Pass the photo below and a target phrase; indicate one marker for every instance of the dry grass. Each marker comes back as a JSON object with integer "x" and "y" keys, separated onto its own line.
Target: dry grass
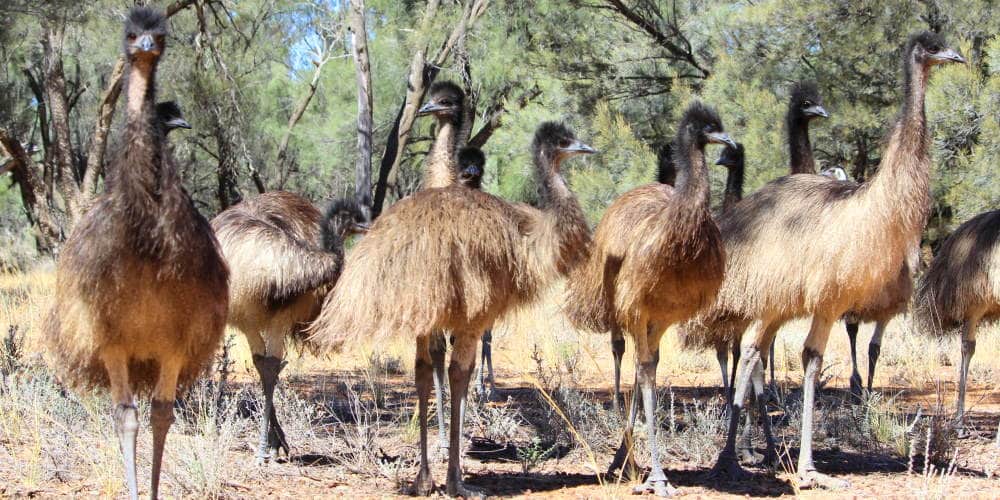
{"x": 353, "y": 413}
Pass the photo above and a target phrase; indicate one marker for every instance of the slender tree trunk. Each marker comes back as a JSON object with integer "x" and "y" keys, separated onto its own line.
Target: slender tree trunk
{"x": 297, "y": 113}
{"x": 363, "y": 166}
{"x": 36, "y": 205}
{"x": 55, "y": 91}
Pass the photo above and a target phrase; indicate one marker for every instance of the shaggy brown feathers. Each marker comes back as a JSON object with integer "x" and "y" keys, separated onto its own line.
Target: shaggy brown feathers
{"x": 141, "y": 272}
{"x": 963, "y": 281}
{"x": 657, "y": 252}
{"x": 454, "y": 259}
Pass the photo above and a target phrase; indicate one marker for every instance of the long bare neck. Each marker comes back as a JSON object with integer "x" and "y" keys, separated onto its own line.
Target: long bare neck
{"x": 139, "y": 165}
{"x": 692, "y": 173}
{"x": 569, "y": 235}
{"x": 900, "y": 189}
{"x": 441, "y": 167}
{"x": 799, "y": 148}
{"x": 734, "y": 187}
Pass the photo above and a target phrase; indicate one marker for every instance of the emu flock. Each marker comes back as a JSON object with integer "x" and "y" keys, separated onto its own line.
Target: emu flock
{"x": 146, "y": 285}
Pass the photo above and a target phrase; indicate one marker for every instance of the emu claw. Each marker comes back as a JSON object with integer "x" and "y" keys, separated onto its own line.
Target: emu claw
{"x": 812, "y": 479}
{"x": 750, "y": 457}
{"x": 660, "y": 488}
{"x": 727, "y": 467}
{"x": 461, "y": 490}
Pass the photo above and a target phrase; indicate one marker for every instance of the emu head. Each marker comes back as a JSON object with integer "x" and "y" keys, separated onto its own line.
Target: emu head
{"x": 928, "y": 48}
{"x": 731, "y": 156}
{"x": 471, "y": 163}
{"x": 704, "y": 125}
{"x": 145, "y": 34}
{"x": 343, "y": 218}
{"x": 168, "y": 115}
{"x": 837, "y": 173}
{"x": 555, "y": 142}
{"x": 805, "y": 102}
{"x": 445, "y": 102}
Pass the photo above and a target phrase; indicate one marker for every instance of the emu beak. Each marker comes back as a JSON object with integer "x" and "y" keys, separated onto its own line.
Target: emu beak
{"x": 721, "y": 138}
{"x": 144, "y": 43}
{"x": 816, "y": 111}
{"x": 178, "y": 123}
{"x": 946, "y": 56}
{"x": 723, "y": 161}
{"x": 578, "y": 148}
{"x": 360, "y": 227}
{"x": 429, "y": 108}
{"x": 472, "y": 171}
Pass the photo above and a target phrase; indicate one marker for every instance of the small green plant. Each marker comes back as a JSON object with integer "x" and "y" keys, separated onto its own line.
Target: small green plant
{"x": 534, "y": 454}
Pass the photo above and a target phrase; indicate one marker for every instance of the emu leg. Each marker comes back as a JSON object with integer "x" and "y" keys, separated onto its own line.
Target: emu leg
{"x": 968, "y": 349}
{"x": 272, "y": 437}
{"x": 161, "y": 418}
{"x": 769, "y": 363}
{"x": 727, "y": 463}
{"x": 624, "y": 459}
{"x": 617, "y": 352}
{"x": 657, "y": 481}
{"x": 423, "y": 370}
{"x": 162, "y": 414}
{"x": 745, "y": 450}
{"x": 735, "y": 347}
{"x": 874, "y": 348}
{"x": 771, "y": 452}
{"x": 463, "y": 361}
{"x": 812, "y": 361}
{"x": 125, "y": 416}
{"x": 438, "y": 349}
{"x": 852, "y": 337}
{"x": 486, "y": 371}
{"x": 722, "y": 355}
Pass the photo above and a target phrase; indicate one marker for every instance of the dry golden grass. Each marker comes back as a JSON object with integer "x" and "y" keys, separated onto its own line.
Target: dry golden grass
{"x": 353, "y": 406}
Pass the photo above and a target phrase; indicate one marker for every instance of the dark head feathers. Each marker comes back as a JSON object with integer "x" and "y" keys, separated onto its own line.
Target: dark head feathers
{"x": 701, "y": 115}
{"x": 551, "y": 134}
{"x": 730, "y": 156}
{"x": 447, "y": 88}
{"x": 929, "y": 40}
{"x": 805, "y": 91}
{"x": 145, "y": 19}
{"x": 471, "y": 155}
{"x": 167, "y": 110}
{"x": 339, "y": 220}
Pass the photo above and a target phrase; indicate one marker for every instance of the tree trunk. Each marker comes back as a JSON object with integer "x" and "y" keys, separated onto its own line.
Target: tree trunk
{"x": 363, "y": 166}
{"x": 55, "y": 90}
{"x": 36, "y": 205}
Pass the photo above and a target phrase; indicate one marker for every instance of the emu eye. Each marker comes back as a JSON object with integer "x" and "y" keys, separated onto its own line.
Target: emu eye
{"x": 131, "y": 37}
{"x": 159, "y": 39}
{"x": 934, "y": 49}
{"x": 564, "y": 143}
{"x": 807, "y": 103}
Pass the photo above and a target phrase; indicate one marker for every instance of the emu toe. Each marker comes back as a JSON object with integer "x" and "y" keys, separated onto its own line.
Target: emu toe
{"x": 460, "y": 489}
{"x": 750, "y": 457}
{"x": 813, "y": 479}
{"x": 660, "y": 488}
{"x": 423, "y": 485}
{"x": 856, "y": 387}
{"x": 728, "y": 468}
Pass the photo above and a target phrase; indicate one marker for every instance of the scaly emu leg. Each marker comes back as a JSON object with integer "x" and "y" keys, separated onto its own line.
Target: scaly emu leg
{"x": 874, "y": 348}
{"x": 438, "y": 350}
{"x": 617, "y": 352}
{"x": 647, "y": 354}
{"x": 463, "y": 361}
{"x": 124, "y": 414}
{"x": 272, "y": 437}
{"x": 968, "y": 349}
{"x": 812, "y": 362}
{"x": 162, "y": 414}
{"x": 624, "y": 459}
{"x": 423, "y": 369}
{"x": 722, "y": 355}
{"x": 852, "y": 337}
{"x": 486, "y": 372}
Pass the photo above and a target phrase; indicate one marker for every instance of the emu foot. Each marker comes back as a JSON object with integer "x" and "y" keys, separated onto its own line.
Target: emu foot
{"x": 276, "y": 442}
{"x": 856, "y": 389}
{"x": 441, "y": 454}
{"x": 460, "y": 489}
{"x": 727, "y": 467}
{"x": 812, "y": 479}
{"x": 624, "y": 462}
{"x": 749, "y": 456}
{"x": 423, "y": 485}
{"x": 660, "y": 488}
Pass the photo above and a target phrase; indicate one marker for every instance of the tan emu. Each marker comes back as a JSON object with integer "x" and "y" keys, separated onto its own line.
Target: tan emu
{"x": 454, "y": 259}
{"x": 141, "y": 288}
{"x": 789, "y": 256}
{"x": 284, "y": 256}
{"x": 657, "y": 260}
{"x": 961, "y": 289}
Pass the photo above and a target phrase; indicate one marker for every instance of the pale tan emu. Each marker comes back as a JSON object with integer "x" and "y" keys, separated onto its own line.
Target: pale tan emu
{"x": 657, "y": 260}
{"x": 789, "y": 256}
{"x": 284, "y": 256}
{"x": 141, "y": 288}
{"x": 454, "y": 259}
{"x": 961, "y": 289}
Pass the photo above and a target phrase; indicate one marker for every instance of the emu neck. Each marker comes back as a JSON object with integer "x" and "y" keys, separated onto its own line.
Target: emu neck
{"x": 799, "y": 148}
{"x": 565, "y": 240}
{"x": 333, "y": 240}
{"x": 141, "y": 88}
{"x": 441, "y": 166}
{"x": 734, "y": 187}
{"x": 692, "y": 173}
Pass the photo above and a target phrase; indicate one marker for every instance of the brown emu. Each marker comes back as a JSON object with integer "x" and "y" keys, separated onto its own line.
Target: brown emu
{"x": 284, "y": 256}
{"x": 819, "y": 269}
{"x": 657, "y": 260}
{"x": 141, "y": 288}
{"x": 961, "y": 289}
{"x": 454, "y": 259}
